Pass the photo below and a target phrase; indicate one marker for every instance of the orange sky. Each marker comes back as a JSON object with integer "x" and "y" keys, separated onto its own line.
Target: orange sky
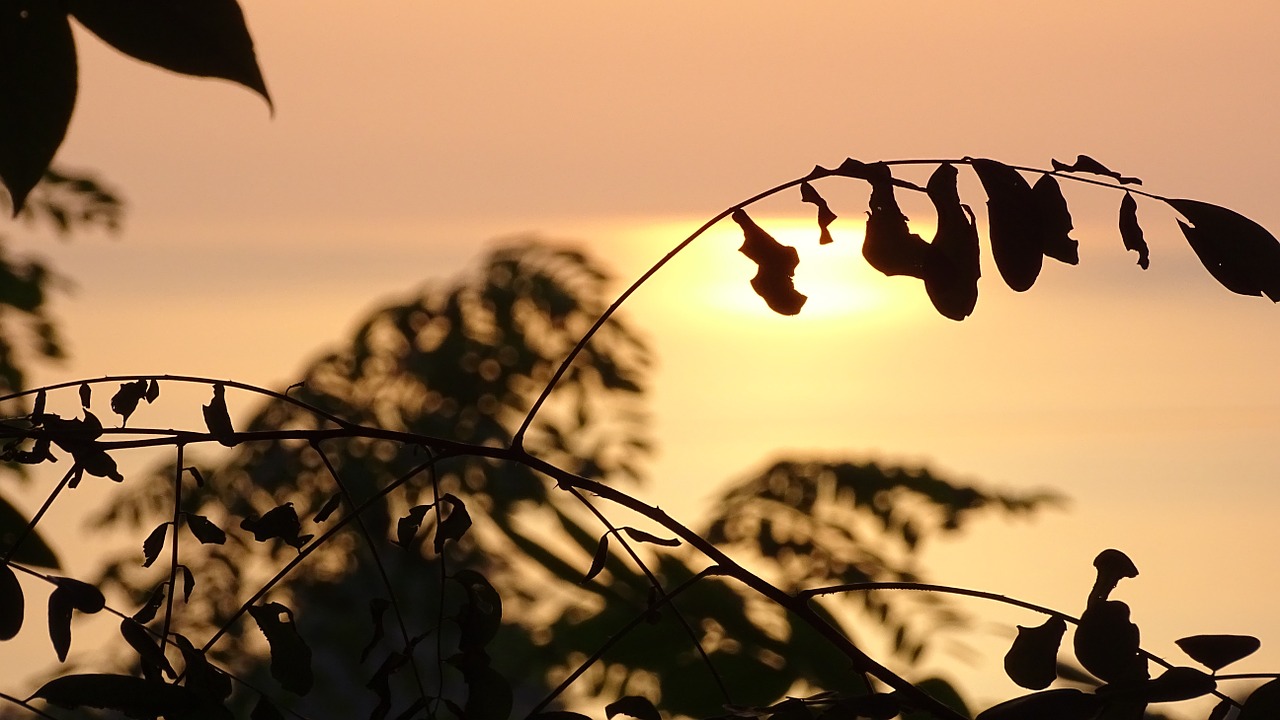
{"x": 407, "y": 134}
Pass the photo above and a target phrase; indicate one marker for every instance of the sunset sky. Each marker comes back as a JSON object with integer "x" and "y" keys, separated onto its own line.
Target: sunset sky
{"x": 408, "y": 136}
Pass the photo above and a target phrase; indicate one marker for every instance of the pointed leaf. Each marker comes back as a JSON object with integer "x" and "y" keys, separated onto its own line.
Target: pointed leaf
{"x": 195, "y": 475}
{"x": 1218, "y": 651}
{"x": 644, "y": 537}
{"x": 154, "y": 543}
{"x": 776, "y": 266}
{"x": 1131, "y": 231}
{"x": 37, "y": 92}
{"x": 481, "y": 616}
{"x": 148, "y": 611}
{"x": 94, "y": 460}
{"x": 1059, "y": 704}
{"x": 70, "y": 594}
{"x": 330, "y": 505}
{"x": 1107, "y": 643}
{"x": 217, "y": 418}
{"x": 407, "y": 527}
{"x": 290, "y": 656}
{"x": 1032, "y": 661}
{"x": 204, "y": 530}
{"x": 1055, "y": 219}
{"x": 598, "y": 560}
{"x": 952, "y": 269}
{"x": 889, "y": 245}
{"x": 825, "y": 216}
{"x": 202, "y": 678}
{"x": 1086, "y": 164}
{"x": 153, "y": 391}
{"x": 454, "y": 525}
{"x": 377, "y": 609}
{"x": 148, "y": 651}
{"x": 126, "y": 399}
{"x": 1238, "y": 252}
{"x": 33, "y": 549}
{"x": 634, "y": 706}
{"x": 130, "y": 695}
{"x": 1017, "y": 234}
{"x": 188, "y": 582}
{"x": 12, "y": 603}
{"x": 280, "y": 522}
{"x": 37, "y": 408}
{"x": 205, "y": 38}
{"x": 86, "y": 394}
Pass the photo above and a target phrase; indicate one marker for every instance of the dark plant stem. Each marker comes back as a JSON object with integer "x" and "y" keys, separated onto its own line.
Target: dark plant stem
{"x": 35, "y": 519}
{"x": 173, "y": 552}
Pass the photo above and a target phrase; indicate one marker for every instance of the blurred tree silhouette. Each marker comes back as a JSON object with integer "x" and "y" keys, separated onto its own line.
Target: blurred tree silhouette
{"x": 464, "y": 362}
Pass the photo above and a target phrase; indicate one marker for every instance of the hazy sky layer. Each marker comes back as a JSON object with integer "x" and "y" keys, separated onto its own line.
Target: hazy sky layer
{"x": 407, "y": 135}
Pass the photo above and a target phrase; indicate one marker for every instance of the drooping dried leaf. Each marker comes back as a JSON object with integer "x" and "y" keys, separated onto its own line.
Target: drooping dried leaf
{"x": 867, "y": 171}
{"x": 217, "y": 418}
{"x": 597, "y": 560}
{"x": 1086, "y": 164}
{"x": 377, "y": 609}
{"x": 279, "y": 523}
{"x": 195, "y": 475}
{"x": 644, "y": 537}
{"x": 1059, "y": 704}
{"x": 126, "y": 399}
{"x": 633, "y": 706}
{"x": 481, "y": 615}
{"x": 130, "y": 695}
{"x": 154, "y": 543}
{"x": 12, "y": 603}
{"x": 407, "y": 527}
{"x": 37, "y": 408}
{"x": 1238, "y": 252}
{"x": 1107, "y": 643}
{"x": 153, "y": 391}
{"x": 1032, "y": 660}
{"x": 1263, "y": 703}
{"x": 37, "y": 92}
{"x": 152, "y": 658}
{"x": 889, "y": 246}
{"x": 1017, "y": 234}
{"x": 86, "y": 394}
{"x": 1131, "y": 231}
{"x": 454, "y": 525}
{"x": 1055, "y": 219}
{"x": 825, "y": 215}
{"x": 204, "y": 530}
{"x": 148, "y": 611}
{"x": 1218, "y": 651}
{"x": 205, "y": 38}
{"x": 952, "y": 270}
{"x": 330, "y": 505}
{"x": 776, "y": 263}
{"x": 290, "y": 655}
{"x": 188, "y": 582}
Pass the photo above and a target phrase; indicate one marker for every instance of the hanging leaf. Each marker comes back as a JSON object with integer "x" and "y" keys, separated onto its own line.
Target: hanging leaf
{"x": 205, "y": 38}
{"x": 152, "y": 657}
{"x": 330, "y": 505}
{"x": 644, "y": 537}
{"x": 126, "y": 399}
{"x": 634, "y": 706}
{"x": 889, "y": 246}
{"x": 188, "y": 582}
{"x": 1106, "y": 643}
{"x": 154, "y": 543}
{"x": 12, "y": 603}
{"x": 776, "y": 266}
{"x": 1086, "y": 164}
{"x": 1218, "y": 651}
{"x": 1059, "y": 704}
{"x": 91, "y": 458}
{"x": 217, "y": 419}
{"x": 1177, "y": 684}
{"x": 86, "y": 394}
{"x": 597, "y": 560}
{"x": 37, "y": 92}
{"x": 825, "y": 216}
{"x": 1131, "y": 231}
{"x": 70, "y": 594}
{"x": 952, "y": 269}
{"x": 279, "y": 523}
{"x": 865, "y": 171}
{"x": 407, "y": 527}
{"x": 130, "y": 695}
{"x": 203, "y": 679}
{"x": 204, "y": 530}
{"x": 454, "y": 525}
{"x": 1055, "y": 219}
{"x": 1032, "y": 660}
{"x": 481, "y": 616}
{"x": 1013, "y": 213}
{"x": 195, "y": 475}
{"x": 148, "y": 611}
{"x": 33, "y": 549}
{"x": 1263, "y": 703}
{"x": 1238, "y": 252}
{"x": 153, "y": 391}
{"x": 377, "y": 609}
{"x": 290, "y": 656}
{"x": 37, "y": 408}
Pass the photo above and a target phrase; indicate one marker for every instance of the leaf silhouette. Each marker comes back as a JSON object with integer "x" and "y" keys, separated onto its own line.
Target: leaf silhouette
{"x": 481, "y": 616}
{"x": 148, "y": 611}
{"x": 1218, "y": 651}
{"x": 188, "y": 582}
{"x": 634, "y": 706}
{"x": 153, "y": 659}
{"x": 1017, "y": 234}
{"x": 1263, "y": 703}
{"x": 154, "y": 543}
{"x": 330, "y": 505}
{"x": 1107, "y": 643}
{"x": 203, "y": 679}
{"x": 70, "y": 594}
{"x": 774, "y": 280}
{"x": 407, "y": 527}
{"x": 37, "y": 92}
{"x": 1055, "y": 221}
{"x": 205, "y": 38}
{"x": 12, "y": 603}
{"x": 153, "y": 391}
{"x": 1238, "y": 252}
{"x": 195, "y": 475}
{"x": 280, "y": 523}
{"x": 1177, "y": 684}
{"x": 1032, "y": 660}
{"x": 1086, "y": 164}
{"x": 216, "y": 417}
{"x": 132, "y": 696}
{"x": 454, "y": 525}
{"x": 86, "y": 394}
{"x": 204, "y": 530}
{"x": 377, "y": 609}
{"x": 126, "y": 399}
{"x": 952, "y": 269}
{"x": 597, "y": 560}
{"x": 33, "y": 549}
{"x": 37, "y": 408}
{"x": 1131, "y": 231}
{"x": 644, "y": 537}
{"x": 889, "y": 246}
{"x": 825, "y": 216}
{"x": 94, "y": 460}
{"x": 1059, "y": 704}
{"x": 488, "y": 693}
{"x": 290, "y": 656}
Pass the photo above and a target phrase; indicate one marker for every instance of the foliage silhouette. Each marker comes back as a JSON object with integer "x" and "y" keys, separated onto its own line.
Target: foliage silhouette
{"x": 457, "y": 414}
